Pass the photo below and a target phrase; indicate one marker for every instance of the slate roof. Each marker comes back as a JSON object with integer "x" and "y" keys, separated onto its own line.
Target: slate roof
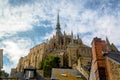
{"x": 66, "y": 74}
{"x": 113, "y": 55}
{"x": 20, "y": 75}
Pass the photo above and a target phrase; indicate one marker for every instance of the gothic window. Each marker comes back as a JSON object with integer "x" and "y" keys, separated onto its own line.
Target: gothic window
{"x": 37, "y": 51}
{"x": 62, "y": 42}
{"x": 102, "y": 73}
{"x": 54, "y": 44}
{"x": 89, "y": 63}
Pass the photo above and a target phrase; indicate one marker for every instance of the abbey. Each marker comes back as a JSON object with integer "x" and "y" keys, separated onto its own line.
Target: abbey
{"x": 77, "y": 60}
{"x": 71, "y": 51}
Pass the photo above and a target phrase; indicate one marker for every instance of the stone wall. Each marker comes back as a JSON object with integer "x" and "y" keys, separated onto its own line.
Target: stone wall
{"x": 1, "y": 59}
{"x": 72, "y": 56}
{"x": 33, "y": 58}
{"x": 75, "y": 52}
{"x": 13, "y": 71}
{"x": 113, "y": 69}
{"x": 98, "y": 59}
{"x": 92, "y": 72}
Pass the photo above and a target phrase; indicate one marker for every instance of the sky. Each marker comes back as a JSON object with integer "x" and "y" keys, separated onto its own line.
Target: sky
{"x": 26, "y": 23}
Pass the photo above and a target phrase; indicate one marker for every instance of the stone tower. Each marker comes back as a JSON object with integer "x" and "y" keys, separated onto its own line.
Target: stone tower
{"x": 98, "y": 62}
{"x": 105, "y": 60}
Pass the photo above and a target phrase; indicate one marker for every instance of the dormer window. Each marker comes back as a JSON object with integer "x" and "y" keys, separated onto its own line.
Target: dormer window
{"x": 63, "y": 74}
{"x": 29, "y": 74}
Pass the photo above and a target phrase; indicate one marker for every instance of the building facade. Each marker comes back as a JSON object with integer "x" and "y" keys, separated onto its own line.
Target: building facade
{"x": 66, "y": 74}
{"x": 105, "y": 61}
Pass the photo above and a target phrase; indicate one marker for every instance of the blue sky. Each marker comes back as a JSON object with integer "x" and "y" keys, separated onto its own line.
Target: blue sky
{"x": 26, "y": 23}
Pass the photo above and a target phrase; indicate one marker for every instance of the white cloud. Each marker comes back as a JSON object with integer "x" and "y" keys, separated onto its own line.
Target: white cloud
{"x": 8, "y": 68}
{"x": 15, "y": 19}
{"x": 15, "y": 48}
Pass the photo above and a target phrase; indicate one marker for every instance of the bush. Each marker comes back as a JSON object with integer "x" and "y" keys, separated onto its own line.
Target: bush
{"x": 48, "y": 63}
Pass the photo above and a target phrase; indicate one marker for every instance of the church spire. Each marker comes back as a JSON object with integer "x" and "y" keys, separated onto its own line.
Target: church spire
{"x": 108, "y": 43}
{"x": 58, "y": 22}
{"x": 58, "y": 32}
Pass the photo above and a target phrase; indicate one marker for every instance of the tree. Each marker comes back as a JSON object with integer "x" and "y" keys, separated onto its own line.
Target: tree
{"x": 0, "y": 73}
{"x": 48, "y": 63}
{"x": 3, "y": 74}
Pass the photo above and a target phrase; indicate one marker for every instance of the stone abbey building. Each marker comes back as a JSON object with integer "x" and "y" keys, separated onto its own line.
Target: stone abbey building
{"x": 101, "y": 62}
{"x": 72, "y": 52}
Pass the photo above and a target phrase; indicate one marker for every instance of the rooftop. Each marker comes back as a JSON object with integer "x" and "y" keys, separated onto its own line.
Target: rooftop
{"x": 66, "y": 74}
{"x": 113, "y": 55}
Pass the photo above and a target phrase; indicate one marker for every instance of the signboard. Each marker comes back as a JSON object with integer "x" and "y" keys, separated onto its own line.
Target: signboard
{"x": 1, "y": 58}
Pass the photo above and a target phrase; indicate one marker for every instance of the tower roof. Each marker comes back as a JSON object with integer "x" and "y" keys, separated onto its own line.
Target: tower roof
{"x": 107, "y": 40}
{"x": 115, "y": 56}
{"x": 58, "y": 22}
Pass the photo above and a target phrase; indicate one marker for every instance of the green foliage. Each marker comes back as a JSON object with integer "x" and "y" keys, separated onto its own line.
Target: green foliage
{"x": 0, "y": 73}
{"x": 4, "y": 74}
{"x": 47, "y": 70}
{"x": 48, "y": 63}
{"x": 41, "y": 65}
